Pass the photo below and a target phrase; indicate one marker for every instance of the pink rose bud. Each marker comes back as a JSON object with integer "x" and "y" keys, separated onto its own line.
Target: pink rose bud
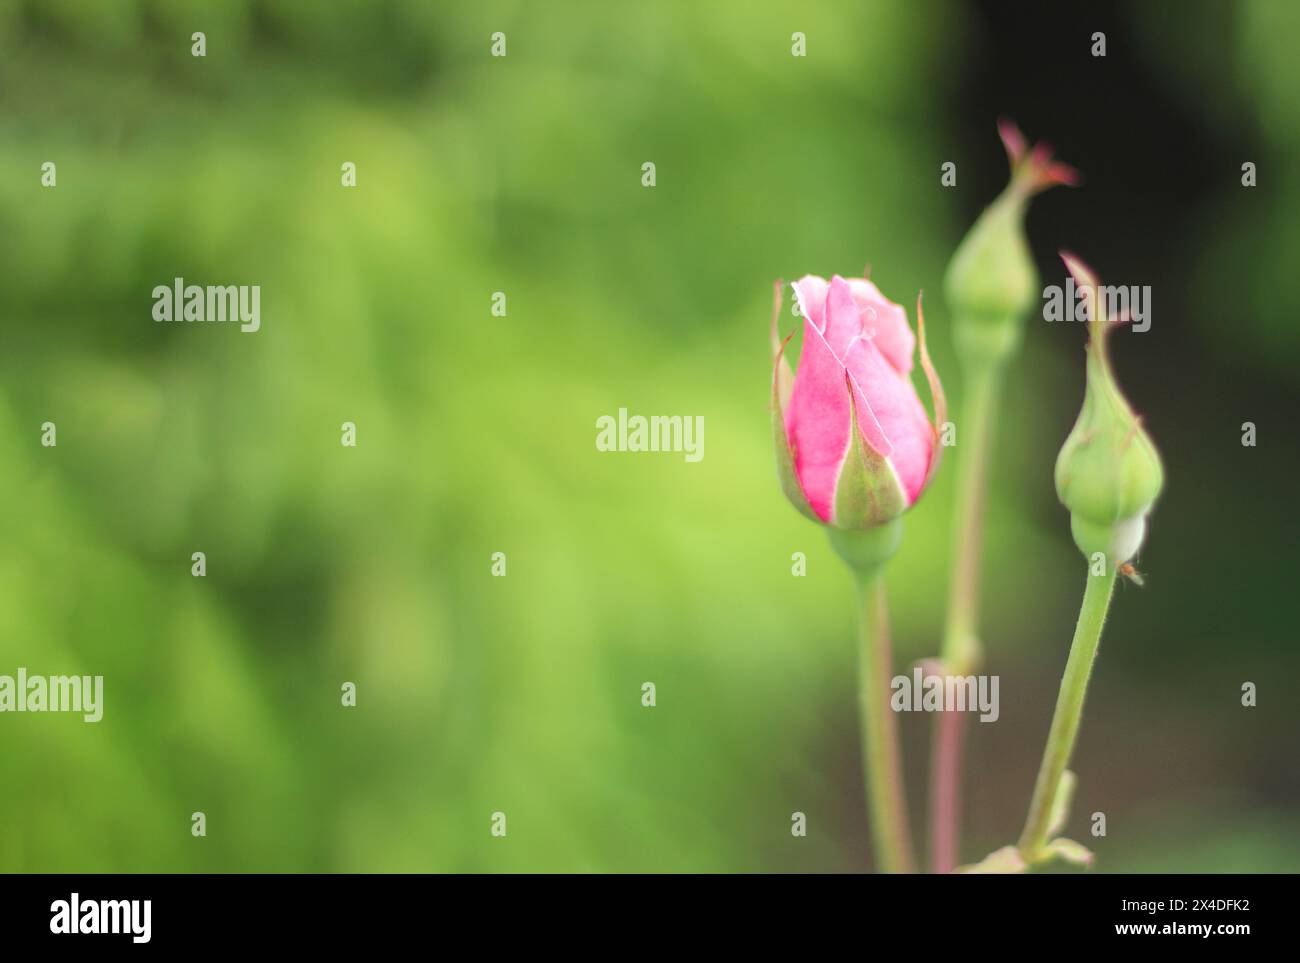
{"x": 855, "y": 447}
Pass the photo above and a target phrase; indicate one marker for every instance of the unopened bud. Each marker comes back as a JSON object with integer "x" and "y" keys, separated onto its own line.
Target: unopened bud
{"x": 1108, "y": 473}
{"x": 991, "y": 282}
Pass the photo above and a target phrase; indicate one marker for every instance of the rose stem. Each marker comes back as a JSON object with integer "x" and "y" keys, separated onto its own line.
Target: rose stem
{"x": 882, "y": 757}
{"x": 1069, "y": 710}
{"x": 960, "y": 653}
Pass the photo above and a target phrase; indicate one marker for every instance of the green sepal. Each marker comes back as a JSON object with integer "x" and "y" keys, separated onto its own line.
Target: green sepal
{"x": 868, "y": 492}
{"x": 1067, "y": 850}
{"x": 784, "y": 376}
{"x": 782, "y": 382}
{"x": 937, "y": 398}
{"x": 991, "y": 279}
{"x": 1006, "y": 860}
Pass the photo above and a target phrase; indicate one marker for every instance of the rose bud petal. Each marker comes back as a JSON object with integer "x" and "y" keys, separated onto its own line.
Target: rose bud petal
{"x": 855, "y": 447}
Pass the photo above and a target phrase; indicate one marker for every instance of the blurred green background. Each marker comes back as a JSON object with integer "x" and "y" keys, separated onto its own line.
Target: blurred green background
{"x": 476, "y": 433}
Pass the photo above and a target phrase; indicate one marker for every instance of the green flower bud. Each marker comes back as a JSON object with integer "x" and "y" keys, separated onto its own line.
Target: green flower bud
{"x": 1108, "y": 473}
{"x": 991, "y": 282}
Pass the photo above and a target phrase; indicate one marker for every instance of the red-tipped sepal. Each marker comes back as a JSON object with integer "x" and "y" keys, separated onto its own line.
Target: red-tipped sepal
{"x": 1032, "y": 168}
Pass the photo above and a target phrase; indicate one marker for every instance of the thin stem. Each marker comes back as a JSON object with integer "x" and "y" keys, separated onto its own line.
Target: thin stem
{"x": 961, "y": 647}
{"x": 886, "y": 798}
{"x": 947, "y": 746}
{"x": 960, "y": 652}
{"x": 1069, "y": 711}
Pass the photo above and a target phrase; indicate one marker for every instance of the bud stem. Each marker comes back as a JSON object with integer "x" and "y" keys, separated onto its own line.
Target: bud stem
{"x": 882, "y": 756}
{"x": 867, "y": 553}
{"x": 960, "y": 653}
{"x": 1069, "y": 712}
{"x": 961, "y": 647}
